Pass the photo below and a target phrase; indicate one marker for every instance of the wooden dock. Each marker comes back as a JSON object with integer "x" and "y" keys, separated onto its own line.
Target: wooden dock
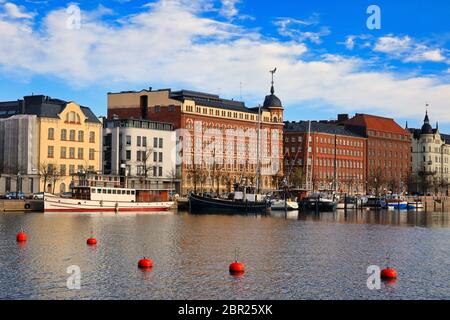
{"x": 21, "y": 205}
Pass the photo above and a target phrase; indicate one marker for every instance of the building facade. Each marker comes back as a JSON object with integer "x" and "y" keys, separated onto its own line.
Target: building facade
{"x": 220, "y": 142}
{"x": 68, "y": 139}
{"x": 322, "y": 156}
{"x": 388, "y": 152}
{"x": 141, "y": 152}
{"x": 19, "y": 154}
{"x": 430, "y": 160}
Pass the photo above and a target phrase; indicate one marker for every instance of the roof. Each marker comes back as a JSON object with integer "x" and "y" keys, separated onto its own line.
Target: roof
{"x": 376, "y": 123}
{"x": 329, "y": 128}
{"x": 210, "y": 100}
{"x": 418, "y": 132}
{"x": 41, "y": 106}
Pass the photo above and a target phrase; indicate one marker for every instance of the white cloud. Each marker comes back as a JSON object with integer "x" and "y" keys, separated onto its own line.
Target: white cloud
{"x": 229, "y": 9}
{"x": 350, "y": 42}
{"x": 426, "y": 54}
{"x": 170, "y": 44}
{"x": 16, "y": 12}
{"x": 294, "y": 29}
{"x": 393, "y": 45}
{"x": 408, "y": 50}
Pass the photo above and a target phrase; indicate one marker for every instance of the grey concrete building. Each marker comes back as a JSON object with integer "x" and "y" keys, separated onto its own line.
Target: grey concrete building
{"x": 19, "y": 154}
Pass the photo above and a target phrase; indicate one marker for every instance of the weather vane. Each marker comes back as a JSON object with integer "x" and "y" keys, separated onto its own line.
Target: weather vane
{"x": 273, "y": 72}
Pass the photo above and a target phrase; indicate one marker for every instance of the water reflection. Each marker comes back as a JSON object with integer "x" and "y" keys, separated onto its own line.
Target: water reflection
{"x": 394, "y": 218}
{"x": 293, "y": 256}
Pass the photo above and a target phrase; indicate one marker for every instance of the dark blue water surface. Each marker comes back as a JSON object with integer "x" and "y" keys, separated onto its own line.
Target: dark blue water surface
{"x": 301, "y": 256}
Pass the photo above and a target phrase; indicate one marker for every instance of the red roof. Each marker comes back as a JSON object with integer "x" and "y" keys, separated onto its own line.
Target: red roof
{"x": 377, "y": 123}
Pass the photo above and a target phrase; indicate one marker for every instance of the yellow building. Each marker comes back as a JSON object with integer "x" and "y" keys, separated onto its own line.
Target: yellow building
{"x": 69, "y": 144}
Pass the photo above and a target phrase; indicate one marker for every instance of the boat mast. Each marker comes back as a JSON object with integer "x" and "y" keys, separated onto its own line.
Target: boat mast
{"x": 307, "y": 156}
{"x": 257, "y": 149}
{"x": 335, "y": 164}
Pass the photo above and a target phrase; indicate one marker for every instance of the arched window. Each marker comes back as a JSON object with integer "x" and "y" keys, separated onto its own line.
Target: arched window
{"x": 73, "y": 117}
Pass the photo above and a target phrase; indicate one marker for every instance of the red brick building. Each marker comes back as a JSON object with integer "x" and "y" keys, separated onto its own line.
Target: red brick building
{"x": 217, "y": 138}
{"x": 337, "y": 157}
{"x": 388, "y": 151}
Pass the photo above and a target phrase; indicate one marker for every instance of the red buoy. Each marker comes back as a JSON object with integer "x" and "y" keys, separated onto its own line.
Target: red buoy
{"x": 237, "y": 267}
{"x": 91, "y": 241}
{"x": 145, "y": 263}
{"x": 21, "y": 237}
{"x": 389, "y": 273}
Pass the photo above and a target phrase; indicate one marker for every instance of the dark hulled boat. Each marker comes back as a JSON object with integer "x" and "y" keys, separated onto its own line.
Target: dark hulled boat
{"x": 207, "y": 205}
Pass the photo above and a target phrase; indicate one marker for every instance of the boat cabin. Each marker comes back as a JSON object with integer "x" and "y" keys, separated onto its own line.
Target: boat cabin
{"x": 105, "y": 194}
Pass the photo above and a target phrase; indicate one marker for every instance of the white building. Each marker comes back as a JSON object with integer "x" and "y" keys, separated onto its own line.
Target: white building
{"x": 430, "y": 160}
{"x": 19, "y": 154}
{"x": 142, "y": 152}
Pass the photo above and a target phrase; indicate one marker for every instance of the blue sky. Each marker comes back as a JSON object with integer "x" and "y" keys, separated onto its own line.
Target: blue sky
{"x": 328, "y": 61}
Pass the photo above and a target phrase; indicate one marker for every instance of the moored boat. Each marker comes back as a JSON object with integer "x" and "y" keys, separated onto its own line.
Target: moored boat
{"x": 375, "y": 203}
{"x": 347, "y": 203}
{"x": 318, "y": 203}
{"x": 102, "y": 199}
{"x": 397, "y": 205}
{"x": 282, "y": 205}
{"x": 250, "y": 204}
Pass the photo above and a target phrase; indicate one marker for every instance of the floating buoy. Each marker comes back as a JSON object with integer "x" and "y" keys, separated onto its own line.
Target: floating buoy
{"x": 145, "y": 263}
{"x": 91, "y": 241}
{"x": 389, "y": 273}
{"x": 237, "y": 267}
{"x": 21, "y": 237}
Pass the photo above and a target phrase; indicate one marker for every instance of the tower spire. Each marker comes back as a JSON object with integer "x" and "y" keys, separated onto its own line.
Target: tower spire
{"x": 272, "y": 90}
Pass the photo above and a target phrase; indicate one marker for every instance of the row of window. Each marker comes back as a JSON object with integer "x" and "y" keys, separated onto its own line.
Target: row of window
{"x": 71, "y": 154}
{"x": 436, "y": 150}
{"x": 112, "y": 191}
{"x": 51, "y": 168}
{"x": 389, "y": 145}
{"x": 330, "y": 140}
{"x": 142, "y": 141}
{"x": 380, "y": 134}
{"x": 320, "y": 150}
{"x": 72, "y": 135}
{"x": 144, "y": 156}
{"x": 229, "y": 114}
{"x": 387, "y": 164}
{"x": 385, "y": 153}
{"x": 341, "y": 176}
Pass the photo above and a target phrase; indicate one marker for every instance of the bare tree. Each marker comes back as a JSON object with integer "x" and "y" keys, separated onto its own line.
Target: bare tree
{"x": 45, "y": 172}
{"x": 377, "y": 179}
{"x": 146, "y": 162}
{"x": 55, "y": 177}
{"x": 174, "y": 177}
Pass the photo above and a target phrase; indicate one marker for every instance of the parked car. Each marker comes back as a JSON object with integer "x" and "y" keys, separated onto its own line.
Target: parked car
{"x": 38, "y": 196}
{"x": 15, "y": 195}
{"x": 66, "y": 195}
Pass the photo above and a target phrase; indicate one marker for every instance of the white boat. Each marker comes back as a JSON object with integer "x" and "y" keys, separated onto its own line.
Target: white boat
{"x": 397, "y": 205}
{"x": 341, "y": 206}
{"x": 101, "y": 199}
{"x": 280, "y": 205}
{"x": 415, "y": 205}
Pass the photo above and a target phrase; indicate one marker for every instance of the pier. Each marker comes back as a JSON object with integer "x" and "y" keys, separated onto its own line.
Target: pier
{"x": 21, "y": 205}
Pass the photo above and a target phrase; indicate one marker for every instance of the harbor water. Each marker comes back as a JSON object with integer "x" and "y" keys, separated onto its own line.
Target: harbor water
{"x": 293, "y": 256}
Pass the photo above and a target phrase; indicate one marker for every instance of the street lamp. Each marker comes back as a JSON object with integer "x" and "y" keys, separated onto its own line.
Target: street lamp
{"x": 18, "y": 183}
